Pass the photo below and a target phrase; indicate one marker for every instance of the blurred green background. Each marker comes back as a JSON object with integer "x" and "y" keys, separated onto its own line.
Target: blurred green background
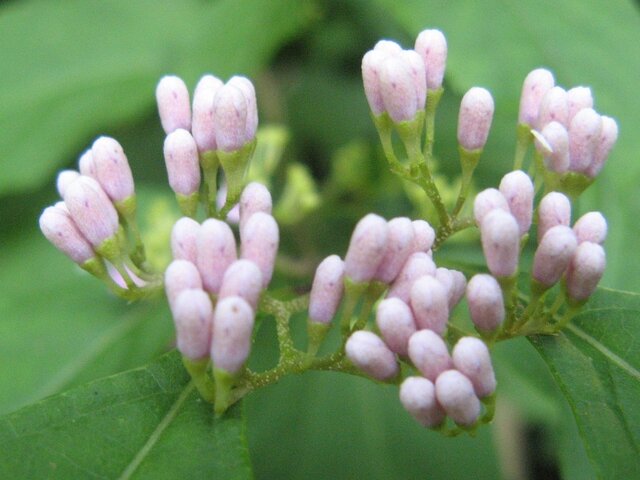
{"x": 73, "y": 70}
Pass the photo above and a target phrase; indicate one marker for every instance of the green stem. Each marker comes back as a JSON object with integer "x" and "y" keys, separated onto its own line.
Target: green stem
{"x": 469, "y": 162}
{"x": 523, "y": 140}
{"x": 433, "y": 99}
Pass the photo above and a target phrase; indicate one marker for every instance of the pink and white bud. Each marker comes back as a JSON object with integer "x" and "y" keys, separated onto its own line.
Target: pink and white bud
{"x": 486, "y": 201}
{"x": 553, "y": 254}
{"x": 202, "y": 121}
{"x": 471, "y": 358}
{"x": 192, "y": 315}
{"x": 184, "y": 239}
{"x": 474, "y": 118}
{"x": 554, "y": 209}
{"x": 367, "y": 248}
{"x": 181, "y": 160}
{"x": 423, "y": 236}
{"x": 397, "y": 88}
{"x": 180, "y": 275}
{"x": 260, "y": 238}
{"x": 417, "y": 265}
{"x": 418, "y": 75}
{"x": 216, "y": 247}
{"x": 233, "y": 321}
{"x": 112, "y": 169}
{"x": 327, "y": 290}
{"x": 249, "y": 92}
{"x": 555, "y": 148}
{"x": 537, "y": 83}
{"x": 242, "y": 279}
{"x": 577, "y": 99}
{"x": 458, "y": 288}
{"x": 585, "y": 270}
{"x": 584, "y": 135}
{"x": 65, "y": 178}
{"x": 455, "y": 393}
{"x": 591, "y": 227}
{"x": 400, "y": 243}
{"x": 86, "y": 165}
{"x": 429, "y": 353}
{"x": 371, "y": 65}
{"x": 396, "y": 324}
{"x": 608, "y": 138}
{"x": 172, "y": 97}
{"x": 486, "y": 305}
{"x": 91, "y": 210}
{"x": 500, "y": 237}
{"x": 370, "y": 354}
{"x": 430, "y": 304}
{"x": 388, "y": 47}
{"x": 445, "y": 277}
{"x": 230, "y": 112}
{"x": 58, "y": 227}
{"x": 431, "y": 45}
{"x": 517, "y": 189}
{"x": 255, "y": 198}
{"x": 553, "y": 108}
{"x": 418, "y": 397}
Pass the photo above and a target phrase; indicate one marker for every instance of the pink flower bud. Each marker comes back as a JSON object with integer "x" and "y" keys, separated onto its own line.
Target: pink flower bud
{"x": 417, "y": 265}
{"x": 429, "y": 353}
{"x": 327, "y": 290}
{"x": 230, "y": 118}
{"x": 591, "y": 227}
{"x": 486, "y": 305}
{"x": 430, "y": 304}
{"x": 216, "y": 251}
{"x": 242, "y": 279}
{"x": 260, "y": 238}
{"x": 112, "y": 169}
{"x": 500, "y": 237}
{"x": 255, "y": 198}
{"x": 553, "y": 254}
{"x": 172, "y": 97}
{"x": 517, "y": 189}
{"x": 554, "y": 209}
{"x": 418, "y": 75}
{"x": 584, "y": 135}
{"x": 184, "y": 239}
{"x": 577, "y": 99}
{"x": 474, "y": 118}
{"x": 471, "y": 358}
{"x": 180, "y": 275}
{"x": 423, "y": 236}
{"x": 91, "y": 210}
{"x": 395, "y": 321}
{"x": 388, "y": 47}
{"x": 585, "y": 270}
{"x": 65, "y": 178}
{"x": 454, "y": 283}
{"x": 367, "y": 248}
{"x": 192, "y": 315}
{"x": 397, "y": 88}
{"x": 608, "y": 138}
{"x": 86, "y": 165}
{"x": 370, "y": 354}
{"x": 247, "y": 88}
{"x": 399, "y": 247}
{"x": 553, "y": 108}
{"x": 181, "y": 160}
{"x": 371, "y": 64}
{"x": 202, "y": 121}
{"x": 555, "y": 148}
{"x": 486, "y": 201}
{"x": 418, "y": 397}
{"x": 58, "y": 227}
{"x": 233, "y": 322}
{"x": 537, "y": 83}
{"x": 455, "y": 393}
{"x": 431, "y": 45}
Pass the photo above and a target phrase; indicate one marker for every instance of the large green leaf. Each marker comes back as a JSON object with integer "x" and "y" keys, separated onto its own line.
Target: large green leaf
{"x": 145, "y": 423}
{"x": 596, "y": 362}
{"x": 73, "y": 68}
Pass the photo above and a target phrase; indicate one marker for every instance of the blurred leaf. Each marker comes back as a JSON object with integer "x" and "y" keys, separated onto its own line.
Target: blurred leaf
{"x": 596, "y": 363}
{"x": 145, "y": 423}
{"x": 72, "y": 68}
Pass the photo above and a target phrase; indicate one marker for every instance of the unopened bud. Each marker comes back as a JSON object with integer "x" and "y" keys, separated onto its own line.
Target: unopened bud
{"x": 367, "y": 248}
{"x": 431, "y": 45}
{"x": 216, "y": 251}
{"x": 584, "y": 135}
{"x": 486, "y": 305}
{"x": 172, "y": 97}
{"x": 585, "y": 270}
{"x": 184, "y": 239}
{"x": 400, "y": 243}
{"x": 429, "y": 353}
{"x": 455, "y": 393}
{"x": 417, "y": 265}
{"x": 86, "y": 165}
{"x": 180, "y": 275}
{"x": 396, "y": 324}
{"x": 486, "y": 201}
{"x": 192, "y": 315}
{"x": 418, "y": 397}
{"x": 249, "y": 92}
{"x": 423, "y": 236}
{"x": 471, "y": 358}
{"x": 370, "y": 354}
{"x": 474, "y": 118}
{"x": 500, "y": 237}
{"x": 181, "y": 160}
{"x": 58, "y": 227}
{"x": 608, "y": 138}
{"x": 260, "y": 238}
{"x": 418, "y": 75}
{"x": 242, "y": 279}
{"x": 430, "y": 304}
{"x": 65, "y": 178}
{"x": 397, "y": 88}
{"x": 591, "y": 227}
{"x": 202, "y": 122}
{"x": 371, "y": 64}
{"x": 553, "y": 108}
{"x": 555, "y": 148}
{"x": 554, "y": 209}
{"x": 112, "y": 169}
{"x": 233, "y": 322}
{"x": 255, "y": 198}
{"x": 537, "y": 83}
{"x": 230, "y": 118}
{"x": 457, "y": 289}
{"x": 553, "y": 254}
{"x": 517, "y": 189}
{"x": 327, "y": 290}
{"x": 577, "y": 99}
{"x": 388, "y": 47}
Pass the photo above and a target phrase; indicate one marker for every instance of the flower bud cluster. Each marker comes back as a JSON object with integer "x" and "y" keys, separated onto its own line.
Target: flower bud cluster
{"x": 570, "y": 134}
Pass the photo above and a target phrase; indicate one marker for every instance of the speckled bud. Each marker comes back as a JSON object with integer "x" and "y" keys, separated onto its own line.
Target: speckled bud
{"x": 58, "y": 227}
{"x": 553, "y": 108}
{"x": 172, "y": 97}
{"x": 430, "y": 304}
{"x": 584, "y": 135}
{"x": 371, "y": 64}
{"x": 554, "y": 209}
{"x": 230, "y": 118}
{"x": 585, "y": 270}
{"x": 429, "y": 353}
{"x": 474, "y": 118}
{"x": 255, "y": 198}
{"x": 457, "y": 289}
{"x": 249, "y": 92}
{"x": 517, "y": 189}
{"x": 233, "y": 322}
{"x": 181, "y": 160}
{"x": 418, "y": 75}
{"x": 553, "y": 254}
{"x": 417, "y": 265}
{"x": 202, "y": 121}
{"x": 370, "y": 354}
{"x": 455, "y": 393}
{"x": 606, "y": 141}
{"x": 86, "y": 165}
{"x": 64, "y": 179}
{"x": 180, "y": 275}
{"x": 396, "y": 324}
{"x": 591, "y": 227}
{"x": 192, "y": 315}
{"x": 400, "y": 244}
{"x": 431, "y": 45}
{"x": 555, "y": 148}
{"x": 418, "y": 397}
{"x": 216, "y": 251}
{"x": 486, "y": 305}
{"x": 260, "y": 238}
{"x": 486, "y": 201}
{"x": 367, "y": 248}
{"x": 327, "y": 290}
{"x": 184, "y": 239}
{"x": 471, "y": 358}
{"x": 577, "y": 99}
{"x": 397, "y": 88}
{"x": 500, "y": 237}
{"x": 537, "y": 83}
{"x": 242, "y": 279}
{"x": 112, "y": 169}
{"x": 423, "y": 236}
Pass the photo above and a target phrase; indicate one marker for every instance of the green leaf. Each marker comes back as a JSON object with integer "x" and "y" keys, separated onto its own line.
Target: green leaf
{"x": 76, "y": 67}
{"x": 145, "y": 423}
{"x": 596, "y": 363}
